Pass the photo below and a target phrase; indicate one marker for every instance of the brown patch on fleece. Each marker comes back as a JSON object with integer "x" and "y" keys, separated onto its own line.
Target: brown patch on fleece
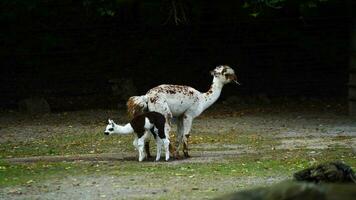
{"x": 154, "y": 99}
{"x": 133, "y": 109}
{"x": 173, "y": 89}
{"x": 224, "y": 70}
{"x": 210, "y": 91}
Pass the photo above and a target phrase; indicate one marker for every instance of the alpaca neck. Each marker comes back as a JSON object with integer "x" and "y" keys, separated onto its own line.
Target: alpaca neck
{"x": 213, "y": 93}
{"x": 123, "y": 130}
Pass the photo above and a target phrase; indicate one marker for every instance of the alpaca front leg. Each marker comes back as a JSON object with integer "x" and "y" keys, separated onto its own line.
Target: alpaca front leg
{"x": 141, "y": 145}
{"x": 187, "y": 124}
{"x": 177, "y": 145}
{"x": 179, "y": 137}
{"x": 185, "y": 145}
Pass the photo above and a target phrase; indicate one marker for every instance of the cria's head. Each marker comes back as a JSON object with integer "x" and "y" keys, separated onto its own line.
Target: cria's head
{"x": 110, "y": 127}
{"x": 225, "y": 73}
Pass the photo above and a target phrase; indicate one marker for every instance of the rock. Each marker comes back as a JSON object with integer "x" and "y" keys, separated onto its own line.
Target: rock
{"x": 293, "y": 190}
{"x": 34, "y": 105}
{"x": 332, "y": 172}
{"x": 328, "y": 181}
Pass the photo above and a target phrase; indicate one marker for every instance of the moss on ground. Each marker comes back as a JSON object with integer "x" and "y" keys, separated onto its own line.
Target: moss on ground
{"x": 263, "y": 164}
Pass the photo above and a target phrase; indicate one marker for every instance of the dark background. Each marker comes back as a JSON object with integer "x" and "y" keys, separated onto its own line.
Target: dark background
{"x": 67, "y": 51}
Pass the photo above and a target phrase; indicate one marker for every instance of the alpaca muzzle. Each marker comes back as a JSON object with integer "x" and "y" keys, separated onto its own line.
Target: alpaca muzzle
{"x": 106, "y": 133}
{"x": 234, "y": 79}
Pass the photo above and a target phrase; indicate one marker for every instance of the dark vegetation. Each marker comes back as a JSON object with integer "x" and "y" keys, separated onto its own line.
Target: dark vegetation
{"x": 68, "y": 51}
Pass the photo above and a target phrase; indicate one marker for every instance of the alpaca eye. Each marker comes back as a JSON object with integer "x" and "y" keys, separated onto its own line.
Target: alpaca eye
{"x": 111, "y": 129}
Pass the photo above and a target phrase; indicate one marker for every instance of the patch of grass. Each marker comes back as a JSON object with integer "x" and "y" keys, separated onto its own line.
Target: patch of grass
{"x": 67, "y": 144}
{"x": 15, "y": 174}
{"x": 19, "y": 174}
{"x": 87, "y": 143}
{"x": 233, "y": 137}
{"x": 274, "y": 163}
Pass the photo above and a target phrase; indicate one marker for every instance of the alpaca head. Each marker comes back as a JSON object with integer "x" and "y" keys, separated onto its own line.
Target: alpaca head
{"x": 225, "y": 74}
{"x": 110, "y": 127}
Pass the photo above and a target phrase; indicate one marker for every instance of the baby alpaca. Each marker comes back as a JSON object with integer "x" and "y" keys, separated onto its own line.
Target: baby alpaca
{"x": 142, "y": 125}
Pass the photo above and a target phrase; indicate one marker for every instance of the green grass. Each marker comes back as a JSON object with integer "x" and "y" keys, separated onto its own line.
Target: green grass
{"x": 13, "y": 174}
{"x": 86, "y": 143}
{"x": 67, "y": 144}
{"x": 272, "y": 163}
{"x": 265, "y": 162}
{"x": 18, "y": 174}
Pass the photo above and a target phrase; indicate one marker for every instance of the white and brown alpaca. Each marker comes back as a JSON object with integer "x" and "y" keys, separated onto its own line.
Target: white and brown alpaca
{"x": 183, "y": 102}
{"x": 144, "y": 125}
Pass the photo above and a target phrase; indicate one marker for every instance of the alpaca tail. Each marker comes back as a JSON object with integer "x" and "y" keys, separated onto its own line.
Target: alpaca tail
{"x": 136, "y": 105}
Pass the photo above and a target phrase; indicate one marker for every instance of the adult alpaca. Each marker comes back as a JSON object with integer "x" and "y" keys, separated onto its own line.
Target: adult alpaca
{"x": 183, "y": 102}
{"x": 143, "y": 126}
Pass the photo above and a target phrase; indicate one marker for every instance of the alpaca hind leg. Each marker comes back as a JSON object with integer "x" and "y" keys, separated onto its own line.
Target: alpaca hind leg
{"x": 159, "y": 148}
{"x": 166, "y": 144}
{"x": 135, "y": 143}
{"x": 141, "y": 145}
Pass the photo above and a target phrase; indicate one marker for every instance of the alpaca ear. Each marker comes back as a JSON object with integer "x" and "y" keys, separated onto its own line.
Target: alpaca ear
{"x": 110, "y": 121}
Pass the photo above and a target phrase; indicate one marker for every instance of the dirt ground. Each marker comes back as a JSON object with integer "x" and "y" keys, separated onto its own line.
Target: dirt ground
{"x": 313, "y": 129}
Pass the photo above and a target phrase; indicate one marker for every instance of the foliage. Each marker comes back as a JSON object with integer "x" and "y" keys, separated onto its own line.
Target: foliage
{"x": 257, "y": 7}
{"x": 15, "y": 8}
{"x": 177, "y": 11}
{"x": 280, "y": 3}
{"x": 105, "y": 7}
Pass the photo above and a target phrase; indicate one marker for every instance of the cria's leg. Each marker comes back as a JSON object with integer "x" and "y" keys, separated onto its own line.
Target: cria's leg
{"x": 141, "y": 144}
{"x": 166, "y": 143}
{"x": 159, "y": 148}
{"x": 187, "y": 124}
{"x": 160, "y": 105}
{"x": 135, "y": 143}
{"x": 166, "y": 147}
